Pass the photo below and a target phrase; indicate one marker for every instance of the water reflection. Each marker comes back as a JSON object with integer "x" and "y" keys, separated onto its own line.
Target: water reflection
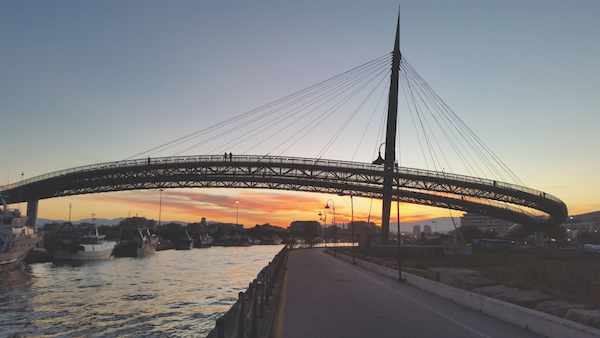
{"x": 171, "y": 293}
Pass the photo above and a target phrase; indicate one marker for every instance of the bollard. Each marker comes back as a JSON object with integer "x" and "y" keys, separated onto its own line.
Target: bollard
{"x": 220, "y": 325}
{"x": 254, "y": 328}
{"x": 240, "y": 333}
{"x": 261, "y": 312}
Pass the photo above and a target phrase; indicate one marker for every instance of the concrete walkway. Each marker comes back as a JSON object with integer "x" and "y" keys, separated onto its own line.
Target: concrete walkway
{"x": 327, "y": 297}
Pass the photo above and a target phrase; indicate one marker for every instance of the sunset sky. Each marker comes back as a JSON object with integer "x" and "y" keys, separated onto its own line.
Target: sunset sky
{"x": 85, "y": 82}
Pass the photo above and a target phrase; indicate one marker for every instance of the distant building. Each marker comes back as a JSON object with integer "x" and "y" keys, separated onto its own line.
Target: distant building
{"x": 223, "y": 227}
{"x": 486, "y": 223}
{"x": 138, "y": 223}
{"x": 362, "y": 227}
{"x": 416, "y": 230}
{"x": 427, "y": 229}
{"x": 575, "y": 225}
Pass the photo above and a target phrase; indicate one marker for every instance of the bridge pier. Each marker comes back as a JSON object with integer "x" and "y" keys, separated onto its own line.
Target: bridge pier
{"x": 539, "y": 238}
{"x": 32, "y": 211}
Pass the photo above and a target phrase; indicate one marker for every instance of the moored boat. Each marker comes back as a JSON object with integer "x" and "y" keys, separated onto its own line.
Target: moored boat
{"x": 16, "y": 239}
{"x": 68, "y": 245}
{"x": 141, "y": 245}
{"x": 235, "y": 240}
{"x": 184, "y": 241}
{"x": 202, "y": 240}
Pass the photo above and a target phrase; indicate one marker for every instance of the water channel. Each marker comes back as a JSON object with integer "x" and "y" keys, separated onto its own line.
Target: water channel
{"x": 169, "y": 294}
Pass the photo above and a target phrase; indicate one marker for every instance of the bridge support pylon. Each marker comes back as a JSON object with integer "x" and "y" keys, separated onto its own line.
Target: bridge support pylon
{"x": 538, "y": 235}
{"x": 390, "y": 139}
{"x": 32, "y": 212}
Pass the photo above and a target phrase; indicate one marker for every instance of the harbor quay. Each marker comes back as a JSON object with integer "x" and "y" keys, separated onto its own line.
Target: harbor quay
{"x": 322, "y": 294}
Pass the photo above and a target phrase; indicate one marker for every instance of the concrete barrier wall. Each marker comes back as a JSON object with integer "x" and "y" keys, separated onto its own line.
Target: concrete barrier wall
{"x": 535, "y": 321}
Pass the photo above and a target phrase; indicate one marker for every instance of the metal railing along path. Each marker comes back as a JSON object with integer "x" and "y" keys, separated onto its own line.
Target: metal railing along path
{"x": 247, "y": 317}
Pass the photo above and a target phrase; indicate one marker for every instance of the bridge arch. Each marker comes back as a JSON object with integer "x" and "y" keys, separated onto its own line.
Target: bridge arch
{"x": 451, "y": 191}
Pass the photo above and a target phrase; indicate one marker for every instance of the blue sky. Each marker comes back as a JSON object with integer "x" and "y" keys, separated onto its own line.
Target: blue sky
{"x": 85, "y": 82}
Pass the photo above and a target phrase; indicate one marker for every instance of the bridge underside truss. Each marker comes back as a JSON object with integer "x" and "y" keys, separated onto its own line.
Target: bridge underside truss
{"x": 464, "y": 193}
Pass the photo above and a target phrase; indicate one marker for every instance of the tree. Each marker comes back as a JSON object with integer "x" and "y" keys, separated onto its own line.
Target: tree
{"x": 311, "y": 232}
{"x": 470, "y": 232}
{"x": 558, "y": 233}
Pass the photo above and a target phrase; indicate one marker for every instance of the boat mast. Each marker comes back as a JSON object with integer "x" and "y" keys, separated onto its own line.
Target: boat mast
{"x": 390, "y": 139}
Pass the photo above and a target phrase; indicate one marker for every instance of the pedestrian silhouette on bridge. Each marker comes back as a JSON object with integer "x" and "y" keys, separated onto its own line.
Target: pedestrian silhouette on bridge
{"x": 230, "y": 157}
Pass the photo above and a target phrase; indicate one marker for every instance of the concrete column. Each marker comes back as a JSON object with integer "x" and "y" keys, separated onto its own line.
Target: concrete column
{"x": 32, "y": 211}
{"x": 539, "y": 238}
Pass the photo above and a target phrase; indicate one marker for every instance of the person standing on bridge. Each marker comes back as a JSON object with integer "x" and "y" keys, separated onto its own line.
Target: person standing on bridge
{"x": 230, "y": 157}
{"x": 225, "y": 156}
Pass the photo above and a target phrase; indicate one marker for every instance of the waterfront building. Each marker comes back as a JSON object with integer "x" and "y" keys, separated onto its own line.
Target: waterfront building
{"x": 362, "y": 227}
{"x": 574, "y": 226}
{"x": 223, "y": 227}
{"x": 416, "y": 230}
{"x": 485, "y": 223}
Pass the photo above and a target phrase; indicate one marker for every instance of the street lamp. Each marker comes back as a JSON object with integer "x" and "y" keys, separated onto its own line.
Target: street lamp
{"x": 294, "y": 212}
{"x": 379, "y": 160}
{"x": 352, "y": 224}
{"x": 324, "y": 219}
{"x": 237, "y": 212}
{"x": 160, "y": 206}
{"x": 334, "y": 225}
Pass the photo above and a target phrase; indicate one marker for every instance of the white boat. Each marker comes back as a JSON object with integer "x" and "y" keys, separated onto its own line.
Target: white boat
{"x": 71, "y": 247}
{"x": 16, "y": 239}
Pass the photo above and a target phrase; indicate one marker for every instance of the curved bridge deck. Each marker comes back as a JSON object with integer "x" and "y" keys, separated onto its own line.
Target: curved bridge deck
{"x": 439, "y": 189}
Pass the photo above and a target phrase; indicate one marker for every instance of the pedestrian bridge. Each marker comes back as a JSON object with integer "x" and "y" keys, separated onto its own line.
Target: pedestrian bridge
{"x": 432, "y": 188}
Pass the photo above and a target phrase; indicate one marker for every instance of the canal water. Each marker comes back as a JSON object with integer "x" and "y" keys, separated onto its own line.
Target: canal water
{"x": 169, "y": 294}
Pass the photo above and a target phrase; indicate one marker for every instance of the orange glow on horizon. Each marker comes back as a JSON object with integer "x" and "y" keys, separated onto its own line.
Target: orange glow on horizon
{"x": 223, "y": 205}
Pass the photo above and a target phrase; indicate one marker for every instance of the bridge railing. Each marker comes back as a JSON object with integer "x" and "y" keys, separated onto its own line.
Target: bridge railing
{"x": 285, "y": 160}
{"x": 248, "y": 317}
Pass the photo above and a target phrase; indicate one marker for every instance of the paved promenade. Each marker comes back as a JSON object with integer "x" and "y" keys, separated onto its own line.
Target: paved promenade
{"x": 328, "y": 297}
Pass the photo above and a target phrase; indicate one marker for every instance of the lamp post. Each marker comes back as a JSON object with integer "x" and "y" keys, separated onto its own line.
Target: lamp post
{"x": 352, "y": 224}
{"x": 294, "y": 213}
{"x": 237, "y": 212}
{"x": 324, "y": 218}
{"x": 400, "y": 280}
{"x": 159, "y": 206}
{"x": 334, "y": 225}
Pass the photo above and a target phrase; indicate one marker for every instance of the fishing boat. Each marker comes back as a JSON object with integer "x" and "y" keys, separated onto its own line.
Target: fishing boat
{"x": 184, "y": 241}
{"x": 141, "y": 245}
{"x": 16, "y": 239}
{"x": 202, "y": 240}
{"x": 68, "y": 245}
